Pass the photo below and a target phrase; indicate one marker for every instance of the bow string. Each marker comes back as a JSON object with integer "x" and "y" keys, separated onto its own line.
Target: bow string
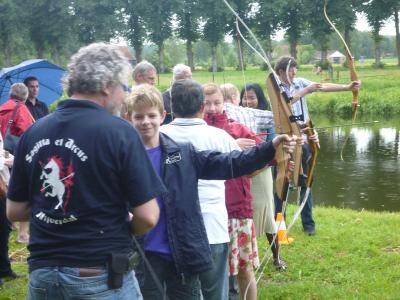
{"x": 284, "y": 123}
{"x": 353, "y": 75}
{"x": 311, "y": 162}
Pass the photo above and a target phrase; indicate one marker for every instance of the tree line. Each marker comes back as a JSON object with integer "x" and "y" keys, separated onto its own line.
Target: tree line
{"x": 56, "y": 28}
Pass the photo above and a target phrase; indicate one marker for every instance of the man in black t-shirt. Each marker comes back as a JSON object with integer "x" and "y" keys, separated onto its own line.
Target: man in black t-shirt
{"x": 77, "y": 174}
{"x": 37, "y": 108}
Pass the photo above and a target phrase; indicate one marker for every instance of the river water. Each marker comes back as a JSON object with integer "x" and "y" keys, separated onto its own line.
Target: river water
{"x": 369, "y": 176}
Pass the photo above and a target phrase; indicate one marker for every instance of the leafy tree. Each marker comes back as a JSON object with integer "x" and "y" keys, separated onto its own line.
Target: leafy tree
{"x": 230, "y": 58}
{"x": 96, "y": 20}
{"x": 377, "y": 12}
{"x": 396, "y": 21}
{"x": 343, "y": 14}
{"x": 11, "y": 30}
{"x": 188, "y": 17}
{"x": 319, "y": 27}
{"x": 215, "y": 16}
{"x": 227, "y": 53}
{"x": 242, "y": 8}
{"x": 306, "y": 54}
{"x": 202, "y": 53}
{"x": 174, "y": 52}
{"x": 395, "y": 7}
{"x": 158, "y": 20}
{"x": 363, "y": 44}
{"x": 293, "y": 18}
{"x": 266, "y": 22}
{"x": 50, "y": 26}
{"x": 135, "y": 31}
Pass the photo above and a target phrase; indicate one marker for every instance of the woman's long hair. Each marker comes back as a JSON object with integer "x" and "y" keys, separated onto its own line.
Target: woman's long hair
{"x": 262, "y": 101}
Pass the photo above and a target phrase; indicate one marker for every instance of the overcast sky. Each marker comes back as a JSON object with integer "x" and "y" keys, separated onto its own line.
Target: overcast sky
{"x": 388, "y": 28}
{"x": 361, "y": 25}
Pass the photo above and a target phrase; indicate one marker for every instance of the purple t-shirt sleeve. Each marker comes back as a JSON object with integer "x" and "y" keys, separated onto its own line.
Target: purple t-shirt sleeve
{"x": 156, "y": 240}
{"x": 139, "y": 177}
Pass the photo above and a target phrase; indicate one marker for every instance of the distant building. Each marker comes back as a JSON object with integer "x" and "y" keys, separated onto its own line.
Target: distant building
{"x": 337, "y": 58}
{"x": 334, "y": 57}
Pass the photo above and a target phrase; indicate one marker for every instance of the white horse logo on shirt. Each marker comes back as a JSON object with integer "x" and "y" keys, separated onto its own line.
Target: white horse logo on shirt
{"x": 53, "y": 184}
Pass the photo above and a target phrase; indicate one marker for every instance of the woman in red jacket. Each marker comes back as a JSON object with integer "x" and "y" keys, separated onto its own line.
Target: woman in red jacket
{"x": 21, "y": 122}
{"x": 23, "y": 118}
{"x": 243, "y": 252}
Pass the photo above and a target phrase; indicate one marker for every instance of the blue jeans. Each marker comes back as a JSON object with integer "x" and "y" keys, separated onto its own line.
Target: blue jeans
{"x": 215, "y": 283}
{"x": 175, "y": 286}
{"x": 65, "y": 283}
{"x": 306, "y": 213}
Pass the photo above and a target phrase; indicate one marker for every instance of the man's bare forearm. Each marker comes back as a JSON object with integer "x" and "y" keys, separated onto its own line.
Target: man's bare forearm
{"x": 145, "y": 217}
{"x": 18, "y": 211}
{"x": 333, "y": 87}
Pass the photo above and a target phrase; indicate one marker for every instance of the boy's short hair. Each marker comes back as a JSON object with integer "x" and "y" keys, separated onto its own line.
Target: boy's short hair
{"x": 211, "y": 89}
{"x": 144, "y": 95}
{"x": 283, "y": 62}
{"x": 228, "y": 90}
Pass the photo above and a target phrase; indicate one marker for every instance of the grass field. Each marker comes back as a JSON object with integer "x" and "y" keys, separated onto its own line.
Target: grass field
{"x": 379, "y": 94}
{"x": 355, "y": 255}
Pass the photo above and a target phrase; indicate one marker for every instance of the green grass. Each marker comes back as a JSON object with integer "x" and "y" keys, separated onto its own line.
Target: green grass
{"x": 355, "y": 255}
{"x": 16, "y": 289}
{"x": 379, "y": 94}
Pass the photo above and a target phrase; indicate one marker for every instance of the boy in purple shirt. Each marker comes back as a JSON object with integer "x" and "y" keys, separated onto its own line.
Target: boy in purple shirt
{"x": 177, "y": 248}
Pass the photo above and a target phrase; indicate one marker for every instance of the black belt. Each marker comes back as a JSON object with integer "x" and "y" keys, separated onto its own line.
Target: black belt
{"x": 91, "y": 271}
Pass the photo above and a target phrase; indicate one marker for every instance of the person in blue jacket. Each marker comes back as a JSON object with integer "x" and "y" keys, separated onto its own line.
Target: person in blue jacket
{"x": 178, "y": 248}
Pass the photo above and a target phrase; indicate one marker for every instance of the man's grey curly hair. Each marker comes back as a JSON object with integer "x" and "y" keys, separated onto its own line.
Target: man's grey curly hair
{"x": 94, "y": 67}
{"x": 180, "y": 72}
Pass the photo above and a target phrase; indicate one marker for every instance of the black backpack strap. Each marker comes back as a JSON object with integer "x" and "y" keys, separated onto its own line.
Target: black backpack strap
{"x": 13, "y": 115}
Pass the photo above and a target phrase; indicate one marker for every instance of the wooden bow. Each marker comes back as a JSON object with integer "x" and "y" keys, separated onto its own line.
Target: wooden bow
{"x": 285, "y": 123}
{"x": 353, "y": 76}
{"x": 314, "y": 148}
{"x": 284, "y": 120}
{"x": 311, "y": 162}
{"x": 282, "y": 112}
